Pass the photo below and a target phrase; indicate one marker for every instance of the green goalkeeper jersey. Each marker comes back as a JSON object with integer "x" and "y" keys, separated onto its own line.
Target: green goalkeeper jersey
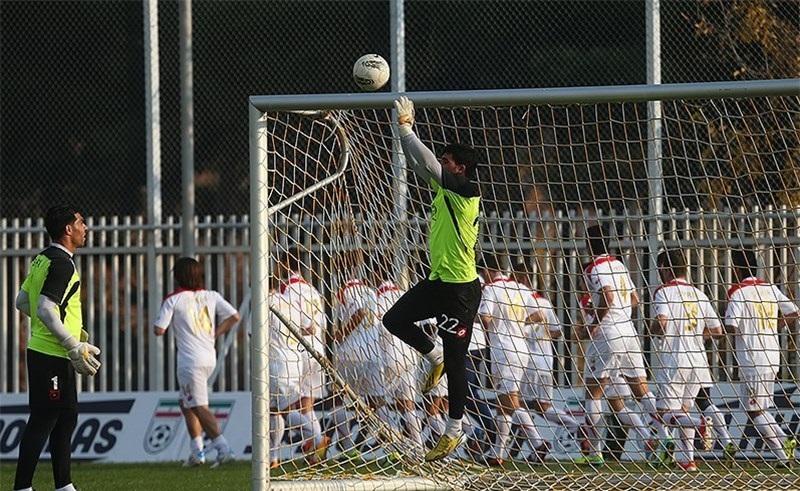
{"x": 54, "y": 275}
{"x": 454, "y": 229}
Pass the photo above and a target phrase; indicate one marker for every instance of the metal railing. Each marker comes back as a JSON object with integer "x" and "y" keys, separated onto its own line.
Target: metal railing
{"x": 116, "y": 286}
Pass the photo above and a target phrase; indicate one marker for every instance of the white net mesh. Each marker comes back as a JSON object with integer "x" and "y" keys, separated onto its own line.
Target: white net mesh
{"x": 728, "y": 178}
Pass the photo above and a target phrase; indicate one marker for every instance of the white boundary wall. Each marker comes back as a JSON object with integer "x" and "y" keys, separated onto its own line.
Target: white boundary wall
{"x": 148, "y": 427}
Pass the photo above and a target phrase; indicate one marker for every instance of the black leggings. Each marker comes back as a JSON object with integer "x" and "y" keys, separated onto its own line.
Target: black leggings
{"x": 56, "y": 423}
{"x": 454, "y": 305}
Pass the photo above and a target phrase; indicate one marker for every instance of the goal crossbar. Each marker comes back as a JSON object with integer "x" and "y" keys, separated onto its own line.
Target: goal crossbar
{"x": 556, "y": 95}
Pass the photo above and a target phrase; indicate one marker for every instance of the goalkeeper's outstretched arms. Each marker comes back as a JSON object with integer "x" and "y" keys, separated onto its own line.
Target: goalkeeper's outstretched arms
{"x": 419, "y": 157}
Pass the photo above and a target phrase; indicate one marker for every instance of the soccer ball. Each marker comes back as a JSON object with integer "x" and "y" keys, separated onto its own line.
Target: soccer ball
{"x": 371, "y": 72}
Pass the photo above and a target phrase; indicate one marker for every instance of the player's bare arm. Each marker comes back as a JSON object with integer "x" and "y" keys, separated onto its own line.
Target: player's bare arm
{"x": 348, "y": 327}
{"x": 789, "y": 321}
{"x": 536, "y": 317}
{"x": 226, "y": 325}
{"x": 658, "y": 325}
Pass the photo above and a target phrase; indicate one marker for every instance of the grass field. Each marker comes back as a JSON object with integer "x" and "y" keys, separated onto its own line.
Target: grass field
{"x": 171, "y": 476}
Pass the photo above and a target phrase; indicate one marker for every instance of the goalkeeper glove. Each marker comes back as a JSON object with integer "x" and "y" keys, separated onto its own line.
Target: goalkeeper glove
{"x": 405, "y": 115}
{"x": 82, "y": 354}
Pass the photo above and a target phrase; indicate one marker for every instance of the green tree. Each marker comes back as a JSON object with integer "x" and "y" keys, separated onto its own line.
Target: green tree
{"x": 759, "y": 145}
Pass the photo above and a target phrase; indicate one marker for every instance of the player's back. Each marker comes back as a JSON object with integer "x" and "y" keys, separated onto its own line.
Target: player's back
{"x": 608, "y": 272}
{"x": 753, "y": 308}
{"x": 356, "y": 297}
{"x": 193, "y": 317}
{"x": 395, "y": 350}
{"x": 387, "y": 295}
{"x": 509, "y": 304}
{"x": 688, "y": 313}
{"x": 540, "y": 341}
{"x": 283, "y": 344}
{"x": 310, "y": 303}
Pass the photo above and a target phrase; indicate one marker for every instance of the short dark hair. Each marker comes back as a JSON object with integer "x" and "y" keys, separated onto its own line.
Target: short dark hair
{"x": 745, "y": 259}
{"x": 675, "y": 260}
{"x": 597, "y": 240}
{"x": 188, "y": 273}
{"x": 463, "y": 155}
{"x": 56, "y": 220}
{"x": 491, "y": 262}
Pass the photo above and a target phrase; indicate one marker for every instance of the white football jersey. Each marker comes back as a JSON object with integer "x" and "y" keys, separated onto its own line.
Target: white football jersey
{"x": 283, "y": 344}
{"x": 508, "y": 303}
{"x": 608, "y": 271}
{"x": 688, "y": 312}
{"x": 387, "y": 295}
{"x": 540, "y": 338}
{"x": 311, "y": 304}
{"x": 753, "y": 307}
{"x": 352, "y": 297}
{"x": 587, "y": 309}
{"x": 193, "y": 315}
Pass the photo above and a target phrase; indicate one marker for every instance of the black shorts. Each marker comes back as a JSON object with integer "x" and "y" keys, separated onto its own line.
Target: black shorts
{"x": 454, "y": 305}
{"x": 51, "y": 382}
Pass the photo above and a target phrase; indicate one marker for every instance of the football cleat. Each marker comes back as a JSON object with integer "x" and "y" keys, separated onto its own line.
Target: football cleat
{"x": 444, "y": 447}
{"x": 223, "y": 457}
{"x": 729, "y": 452}
{"x": 687, "y": 466}
{"x": 433, "y": 377}
{"x": 539, "y": 454}
{"x": 590, "y": 460}
{"x": 706, "y": 435}
{"x": 351, "y": 455}
{"x": 494, "y": 462}
{"x": 789, "y": 446}
{"x": 195, "y": 459}
{"x": 320, "y": 453}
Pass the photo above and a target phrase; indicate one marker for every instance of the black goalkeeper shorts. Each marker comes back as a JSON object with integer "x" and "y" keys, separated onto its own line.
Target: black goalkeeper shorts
{"x": 51, "y": 382}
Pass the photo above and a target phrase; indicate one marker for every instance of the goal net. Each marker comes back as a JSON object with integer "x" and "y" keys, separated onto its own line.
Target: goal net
{"x": 339, "y": 222}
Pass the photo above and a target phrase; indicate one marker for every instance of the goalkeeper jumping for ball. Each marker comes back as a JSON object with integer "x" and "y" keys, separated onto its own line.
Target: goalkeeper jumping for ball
{"x": 452, "y": 291}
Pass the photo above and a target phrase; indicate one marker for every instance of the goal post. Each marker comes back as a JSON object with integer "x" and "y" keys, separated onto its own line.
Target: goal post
{"x": 325, "y": 188}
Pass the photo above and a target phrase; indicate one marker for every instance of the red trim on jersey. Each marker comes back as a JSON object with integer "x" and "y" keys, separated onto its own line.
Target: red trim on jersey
{"x": 672, "y": 282}
{"x": 181, "y": 290}
{"x": 295, "y": 278}
{"x": 387, "y": 287}
{"x": 500, "y": 279}
{"x": 745, "y": 282}
{"x": 586, "y": 301}
{"x": 351, "y": 283}
{"x": 605, "y": 258}
{"x": 538, "y": 296}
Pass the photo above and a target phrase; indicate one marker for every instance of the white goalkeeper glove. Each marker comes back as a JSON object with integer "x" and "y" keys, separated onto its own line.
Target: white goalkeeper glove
{"x": 82, "y": 354}
{"x": 405, "y": 115}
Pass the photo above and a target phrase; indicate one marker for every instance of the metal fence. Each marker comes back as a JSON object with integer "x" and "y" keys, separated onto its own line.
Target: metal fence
{"x": 117, "y": 288}
{"x": 74, "y": 128}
